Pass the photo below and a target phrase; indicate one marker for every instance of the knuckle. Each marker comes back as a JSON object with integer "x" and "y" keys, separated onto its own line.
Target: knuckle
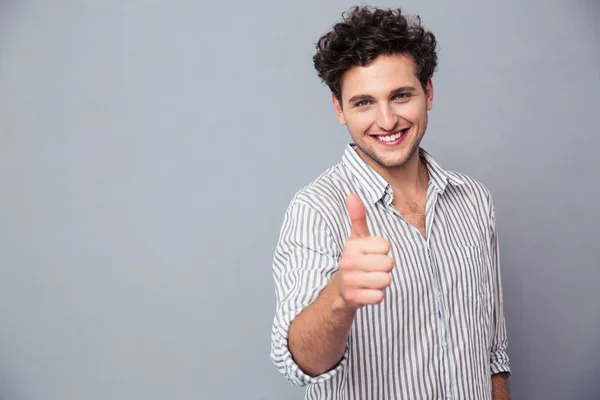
{"x": 351, "y": 247}
{"x": 386, "y": 246}
{"x": 375, "y": 240}
{"x": 381, "y": 243}
{"x": 346, "y": 263}
{"x": 390, "y": 263}
{"x": 351, "y": 295}
{"x": 343, "y": 263}
{"x": 388, "y": 279}
{"x": 349, "y": 279}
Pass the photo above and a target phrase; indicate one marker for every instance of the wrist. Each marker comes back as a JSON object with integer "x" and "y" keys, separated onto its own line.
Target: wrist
{"x": 337, "y": 300}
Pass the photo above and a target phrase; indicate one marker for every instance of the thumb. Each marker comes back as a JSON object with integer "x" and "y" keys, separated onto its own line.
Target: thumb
{"x": 358, "y": 217}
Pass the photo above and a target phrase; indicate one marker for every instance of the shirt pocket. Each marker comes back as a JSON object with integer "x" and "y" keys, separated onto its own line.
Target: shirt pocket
{"x": 475, "y": 281}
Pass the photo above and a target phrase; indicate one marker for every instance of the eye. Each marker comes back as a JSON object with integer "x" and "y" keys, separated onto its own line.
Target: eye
{"x": 402, "y": 96}
{"x": 362, "y": 103}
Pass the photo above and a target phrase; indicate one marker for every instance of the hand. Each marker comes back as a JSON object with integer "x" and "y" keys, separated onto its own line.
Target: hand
{"x": 365, "y": 264}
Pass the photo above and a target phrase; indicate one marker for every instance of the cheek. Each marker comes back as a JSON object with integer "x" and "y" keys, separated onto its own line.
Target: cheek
{"x": 414, "y": 112}
{"x": 360, "y": 122}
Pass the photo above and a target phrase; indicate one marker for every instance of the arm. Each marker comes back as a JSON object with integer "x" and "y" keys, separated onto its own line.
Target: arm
{"x": 318, "y": 336}
{"x": 500, "y": 387}
{"x": 305, "y": 260}
{"x": 499, "y": 361}
{"x": 315, "y": 310}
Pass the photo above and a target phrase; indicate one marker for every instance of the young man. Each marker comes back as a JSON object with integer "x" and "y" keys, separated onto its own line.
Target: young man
{"x": 386, "y": 270}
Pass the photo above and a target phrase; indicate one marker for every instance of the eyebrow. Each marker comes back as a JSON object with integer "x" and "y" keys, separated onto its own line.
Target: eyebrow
{"x": 362, "y": 97}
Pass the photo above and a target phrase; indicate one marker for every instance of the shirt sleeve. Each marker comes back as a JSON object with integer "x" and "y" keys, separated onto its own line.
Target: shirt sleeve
{"x": 306, "y": 257}
{"x": 499, "y": 360}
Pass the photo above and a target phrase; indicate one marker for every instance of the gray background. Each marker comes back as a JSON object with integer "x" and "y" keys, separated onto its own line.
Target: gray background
{"x": 148, "y": 151}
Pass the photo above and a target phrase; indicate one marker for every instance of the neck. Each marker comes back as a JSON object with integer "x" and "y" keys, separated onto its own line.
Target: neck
{"x": 409, "y": 179}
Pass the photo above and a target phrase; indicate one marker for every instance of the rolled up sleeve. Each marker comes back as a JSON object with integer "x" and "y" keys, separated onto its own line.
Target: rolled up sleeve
{"x": 306, "y": 257}
{"x": 499, "y": 360}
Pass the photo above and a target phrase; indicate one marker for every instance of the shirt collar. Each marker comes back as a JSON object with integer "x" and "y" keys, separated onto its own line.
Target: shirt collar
{"x": 375, "y": 186}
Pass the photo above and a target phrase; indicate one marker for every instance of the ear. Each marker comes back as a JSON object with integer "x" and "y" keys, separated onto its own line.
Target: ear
{"x": 429, "y": 95}
{"x": 338, "y": 109}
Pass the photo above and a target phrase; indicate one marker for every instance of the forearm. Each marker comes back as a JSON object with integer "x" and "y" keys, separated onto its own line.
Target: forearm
{"x": 500, "y": 387}
{"x": 317, "y": 337}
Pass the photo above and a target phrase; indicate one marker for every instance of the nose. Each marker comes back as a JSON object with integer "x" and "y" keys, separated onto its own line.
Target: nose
{"x": 386, "y": 118}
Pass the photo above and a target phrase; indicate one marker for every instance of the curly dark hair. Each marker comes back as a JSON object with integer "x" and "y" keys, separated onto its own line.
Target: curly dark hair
{"x": 364, "y": 34}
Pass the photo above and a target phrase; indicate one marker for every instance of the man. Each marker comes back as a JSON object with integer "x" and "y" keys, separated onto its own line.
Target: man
{"x": 386, "y": 270}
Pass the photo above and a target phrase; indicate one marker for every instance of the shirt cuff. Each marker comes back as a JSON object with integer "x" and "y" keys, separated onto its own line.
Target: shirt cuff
{"x": 499, "y": 362}
{"x": 282, "y": 358}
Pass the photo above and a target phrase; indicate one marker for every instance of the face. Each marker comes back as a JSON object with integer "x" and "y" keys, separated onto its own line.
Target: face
{"x": 384, "y": 107}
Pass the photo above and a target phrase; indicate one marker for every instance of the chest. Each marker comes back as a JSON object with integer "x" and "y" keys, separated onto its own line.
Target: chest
{"x": 413, "y": 212}
{"x": 448, "y": 275}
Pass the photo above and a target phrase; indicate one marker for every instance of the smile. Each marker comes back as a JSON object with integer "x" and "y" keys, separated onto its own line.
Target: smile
{"x": 391, "y": 139}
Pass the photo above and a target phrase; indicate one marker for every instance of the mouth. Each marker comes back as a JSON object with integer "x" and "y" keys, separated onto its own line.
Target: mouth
{"x": 392, "y": 138}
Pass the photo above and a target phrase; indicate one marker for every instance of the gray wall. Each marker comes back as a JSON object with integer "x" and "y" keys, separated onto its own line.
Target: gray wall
{"x": 148, "y": 150}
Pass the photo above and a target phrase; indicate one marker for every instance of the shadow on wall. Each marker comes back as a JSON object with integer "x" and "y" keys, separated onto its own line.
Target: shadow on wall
{"x": 5, "y": 6}
{"x": 591, "y": 9}
{"x": 7, "y": 12}
{"x": 590, "y": 387}
{"x": 7, "y": 386}
{"x": 590, "y": 384}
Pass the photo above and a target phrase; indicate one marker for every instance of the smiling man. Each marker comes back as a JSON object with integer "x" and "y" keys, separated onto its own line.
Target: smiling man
{"x": 387, "y": 272}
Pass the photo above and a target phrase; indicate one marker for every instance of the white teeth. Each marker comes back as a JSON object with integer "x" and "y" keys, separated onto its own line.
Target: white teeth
{"x": 390, "y": 138}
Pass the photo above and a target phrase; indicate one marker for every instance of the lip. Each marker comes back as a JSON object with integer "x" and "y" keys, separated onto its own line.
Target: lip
{"x": 395, "y": 142}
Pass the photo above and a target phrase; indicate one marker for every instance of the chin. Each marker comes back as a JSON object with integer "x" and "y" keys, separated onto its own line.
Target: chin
{"x": 396, "y": 163}
{"x": 402, "y": 159}
{"x": 393, "y": 158}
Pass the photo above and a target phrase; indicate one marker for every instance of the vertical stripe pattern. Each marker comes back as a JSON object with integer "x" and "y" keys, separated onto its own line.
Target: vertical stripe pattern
{"x": 440, "y": 331}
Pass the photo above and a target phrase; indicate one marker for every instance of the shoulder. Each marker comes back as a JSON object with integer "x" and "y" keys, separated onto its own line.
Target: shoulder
{"x": 325, "y": 194}
{"x": 320, "y": 205}
{"x": 460, "y": 185}
{"x": 476, "y": 195}
{"x": 473, "y": 188}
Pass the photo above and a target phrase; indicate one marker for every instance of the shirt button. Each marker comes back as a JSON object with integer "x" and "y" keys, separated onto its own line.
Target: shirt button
{"x": 444, "y": 344}
{"x": 438, "y": 294}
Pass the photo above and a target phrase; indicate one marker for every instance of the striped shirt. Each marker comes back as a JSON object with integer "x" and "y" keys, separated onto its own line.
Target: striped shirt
{"x": 440, "y": 331}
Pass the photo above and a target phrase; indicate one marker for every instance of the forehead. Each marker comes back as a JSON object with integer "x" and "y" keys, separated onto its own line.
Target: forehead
{"x": 382, "y": 75}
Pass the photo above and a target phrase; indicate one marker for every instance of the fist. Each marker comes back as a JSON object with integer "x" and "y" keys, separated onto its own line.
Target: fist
{"x": 365, "y": 264}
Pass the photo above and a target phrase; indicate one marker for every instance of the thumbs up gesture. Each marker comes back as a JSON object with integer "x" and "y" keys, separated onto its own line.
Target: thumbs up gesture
{"x": 365, "y": 264}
